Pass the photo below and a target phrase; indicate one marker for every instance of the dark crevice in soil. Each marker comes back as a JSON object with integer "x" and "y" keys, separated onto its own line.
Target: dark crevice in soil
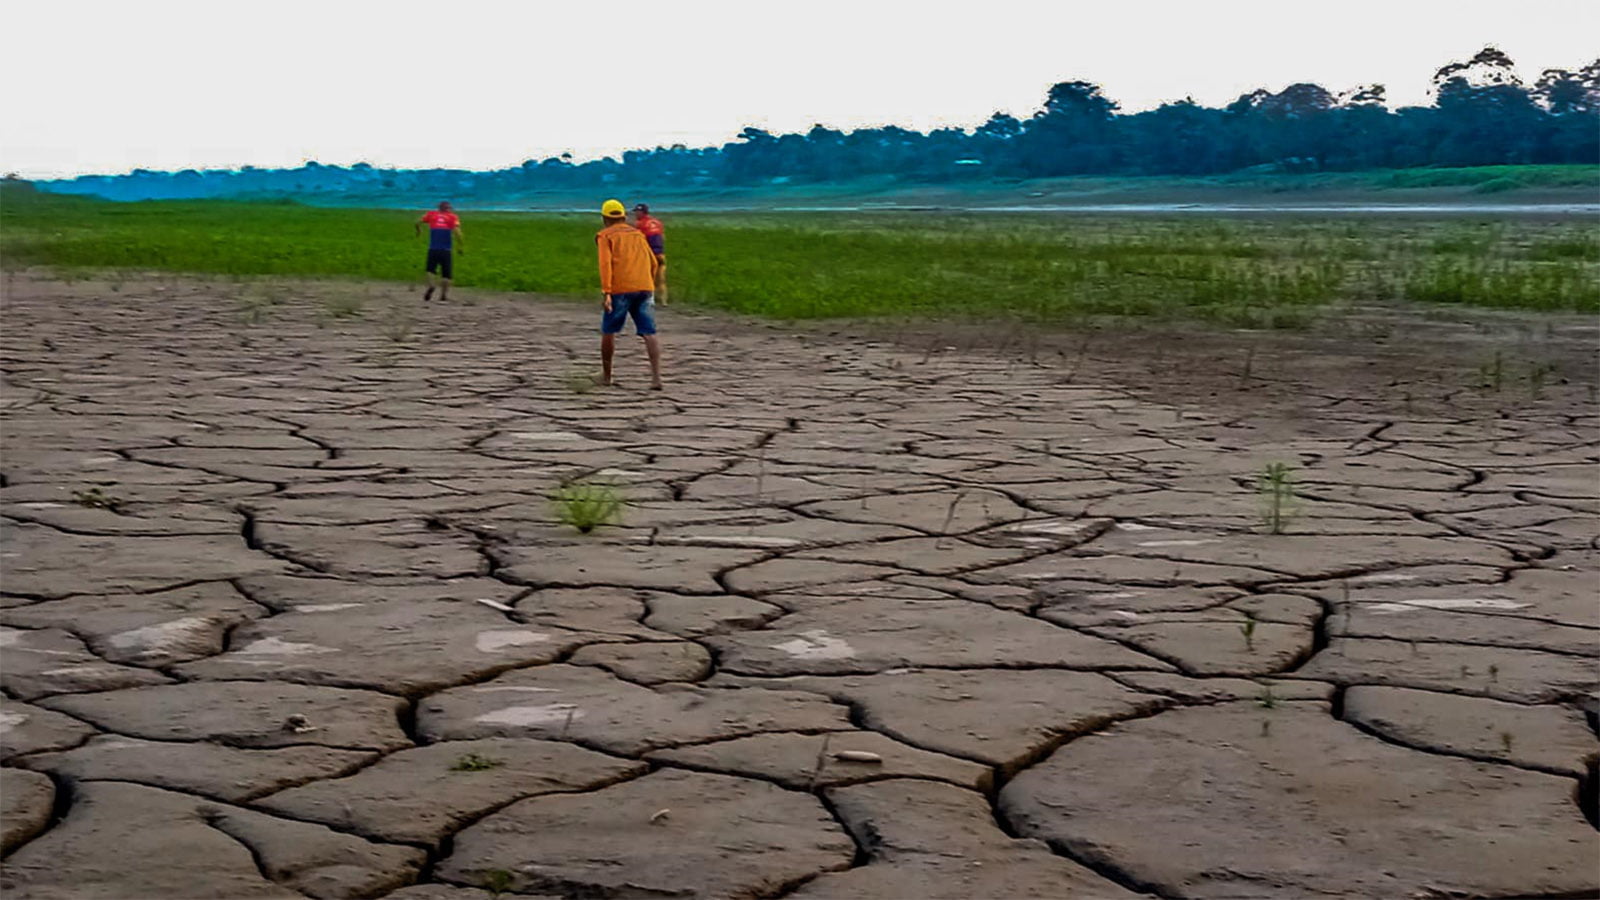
{"x": 1095, "y": 862}
{"x": 1589, "y": 793}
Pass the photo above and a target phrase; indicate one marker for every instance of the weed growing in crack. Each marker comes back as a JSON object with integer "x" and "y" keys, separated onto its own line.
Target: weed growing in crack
{"x": 253, "y": 307}
{"x": 497, "y": 881}
{"x": 586, "y": 505}
{"x": 1248, "y": 629}
{"x": 1494, "y": 672}
{"x": 94, "y": 498}
{"x": 399, "y": 320}
{"x": 1266, "y": 699}
{"x": 1538, "y": 374}
{"x": 472, "y": 762}
{"x": 1277, "y": 492}
{"x": 580, "y": 382}
{"x": 950, "y": 516}
{"x": 1492, "y": 374}
{"x": 761, "y": 475}
{"x": 343, "y": 305}
{"x": 1507, "y": 739}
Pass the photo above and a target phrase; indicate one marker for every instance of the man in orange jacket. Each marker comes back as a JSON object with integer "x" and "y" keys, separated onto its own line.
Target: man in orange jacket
{"x": 628, "y": 269}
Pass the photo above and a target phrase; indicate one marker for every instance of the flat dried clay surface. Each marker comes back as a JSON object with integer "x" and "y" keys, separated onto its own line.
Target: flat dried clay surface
{"x": 290, "y": 608}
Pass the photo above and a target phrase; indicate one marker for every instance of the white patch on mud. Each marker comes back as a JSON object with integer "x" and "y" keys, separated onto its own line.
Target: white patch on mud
{"x": 1196, "y": 542}
{"x": 93, "y": 669}
{"x": 495, "y": 641}
{"x": 41, "y": 505}
{"x": 1445, "y": 603}
{"x": 325, "y": 607}
{"x": 1057, "y": 526}
{"x": 1113, "y": 595}
{"x": 618, "y": 473}
{"x": 816, "y": 644}
{"x": 520, "y": 689}
{"x": 547, "y": 435}
{"x": 527, "y": 716}
{"x": 1135, "y": 526}
{"x": 161, "y": 634}
{"x": 1125, "y": 614}
{"x": 10, "y": 720}
{"x": 1382, "y": 577}
{"x": 276, "y": 646}
{"x": 736, "y": 541}
{"x": 10, "y": 638}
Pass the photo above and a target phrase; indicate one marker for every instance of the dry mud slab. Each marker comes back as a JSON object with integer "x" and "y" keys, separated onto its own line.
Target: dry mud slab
{"x": 286, "y": 608}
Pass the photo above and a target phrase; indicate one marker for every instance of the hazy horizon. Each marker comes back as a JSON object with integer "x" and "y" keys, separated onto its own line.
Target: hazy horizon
{"x": 173, "y": 85}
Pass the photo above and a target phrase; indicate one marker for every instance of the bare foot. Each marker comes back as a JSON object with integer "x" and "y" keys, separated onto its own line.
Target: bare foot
{"x": 655, "y": 386}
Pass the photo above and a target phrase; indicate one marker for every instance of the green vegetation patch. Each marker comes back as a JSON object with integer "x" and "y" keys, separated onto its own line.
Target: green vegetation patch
{"x": 1261, "y": 271}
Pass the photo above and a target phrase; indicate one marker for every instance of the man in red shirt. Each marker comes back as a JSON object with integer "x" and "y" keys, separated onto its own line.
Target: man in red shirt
{"x": 650, "y": 227}
{"x": 442, "y": 226}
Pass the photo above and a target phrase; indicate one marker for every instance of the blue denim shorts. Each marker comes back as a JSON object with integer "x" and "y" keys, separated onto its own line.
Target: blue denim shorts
{"x": 639, "y": 304}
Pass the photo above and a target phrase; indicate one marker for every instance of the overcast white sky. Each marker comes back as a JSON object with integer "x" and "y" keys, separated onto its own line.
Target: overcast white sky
{"x": 109, "y": 85}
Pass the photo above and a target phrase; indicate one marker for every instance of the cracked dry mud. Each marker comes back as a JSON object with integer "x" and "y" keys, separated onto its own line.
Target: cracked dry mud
{"x": 286, "y": 610}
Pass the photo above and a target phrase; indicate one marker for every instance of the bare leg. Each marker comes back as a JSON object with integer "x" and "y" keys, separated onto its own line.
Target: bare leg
{"x": 652, "y": 346}
{"x": 428, "y": 294}
{"x": 444, "y": 292}
{"x": 608, "y": 348}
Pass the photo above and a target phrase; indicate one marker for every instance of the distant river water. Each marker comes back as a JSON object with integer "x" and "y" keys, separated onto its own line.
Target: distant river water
{"x": 1549, "y": 209}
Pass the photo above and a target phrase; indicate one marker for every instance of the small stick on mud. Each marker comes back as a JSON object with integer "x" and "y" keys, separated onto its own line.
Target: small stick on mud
{"x": 822, "y": 760}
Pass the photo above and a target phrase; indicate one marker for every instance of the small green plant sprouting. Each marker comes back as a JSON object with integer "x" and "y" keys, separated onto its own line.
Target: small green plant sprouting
{"x": 343, "y": 305}
{"x": 586, "y": 505}
{"x": 472, "y": 762}
{"x": 253, "y": 308}
{"x": 398, "y": 322}
{"x": 1277, "y": 491}
{"x": 94, "y": 498}
{"x": 1266, "y": 727}
{"x": 1494, "y": 672}
{"x": 1248, "y": 629}
{"x": 497, "y": 881}
{"x": 949, "y": 517}
{"x": 1266, "y": 699}
{"x": 1538, "y": 374}
{"x": 1507, "y": 740}
{"x": 1492, "y": 374}
{"x": 580, "y": 382}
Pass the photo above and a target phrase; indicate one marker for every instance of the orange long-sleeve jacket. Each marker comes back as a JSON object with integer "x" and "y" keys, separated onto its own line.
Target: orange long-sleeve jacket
{"x": 627, "y": 263}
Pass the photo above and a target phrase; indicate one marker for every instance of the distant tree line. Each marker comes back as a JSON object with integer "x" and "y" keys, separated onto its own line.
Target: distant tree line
{"x": 1482, "y": 114}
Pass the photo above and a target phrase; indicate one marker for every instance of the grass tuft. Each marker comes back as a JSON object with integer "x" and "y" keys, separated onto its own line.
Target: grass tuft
{"x": 586, "y": 505}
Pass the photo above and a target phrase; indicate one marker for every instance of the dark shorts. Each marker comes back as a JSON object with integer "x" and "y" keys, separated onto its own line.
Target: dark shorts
{"x": 439, "y": 261}
{"x": 641, "y": 305}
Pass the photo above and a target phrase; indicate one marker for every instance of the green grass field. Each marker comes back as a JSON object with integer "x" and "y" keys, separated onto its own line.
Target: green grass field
{"x": 1263, "y": 271}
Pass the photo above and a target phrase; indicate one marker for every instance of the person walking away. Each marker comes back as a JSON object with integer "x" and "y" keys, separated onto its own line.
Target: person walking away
{"x": 443, "y": 226}
{"x": 628, "y": 269}
{"x": 651, "y": 228}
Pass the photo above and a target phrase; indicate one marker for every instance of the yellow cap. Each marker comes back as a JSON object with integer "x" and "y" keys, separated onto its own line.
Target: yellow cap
{"x": 612, "y": 209}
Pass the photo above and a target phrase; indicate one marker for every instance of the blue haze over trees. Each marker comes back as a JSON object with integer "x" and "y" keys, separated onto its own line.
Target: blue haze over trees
{"x": 1482, "y": 114}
